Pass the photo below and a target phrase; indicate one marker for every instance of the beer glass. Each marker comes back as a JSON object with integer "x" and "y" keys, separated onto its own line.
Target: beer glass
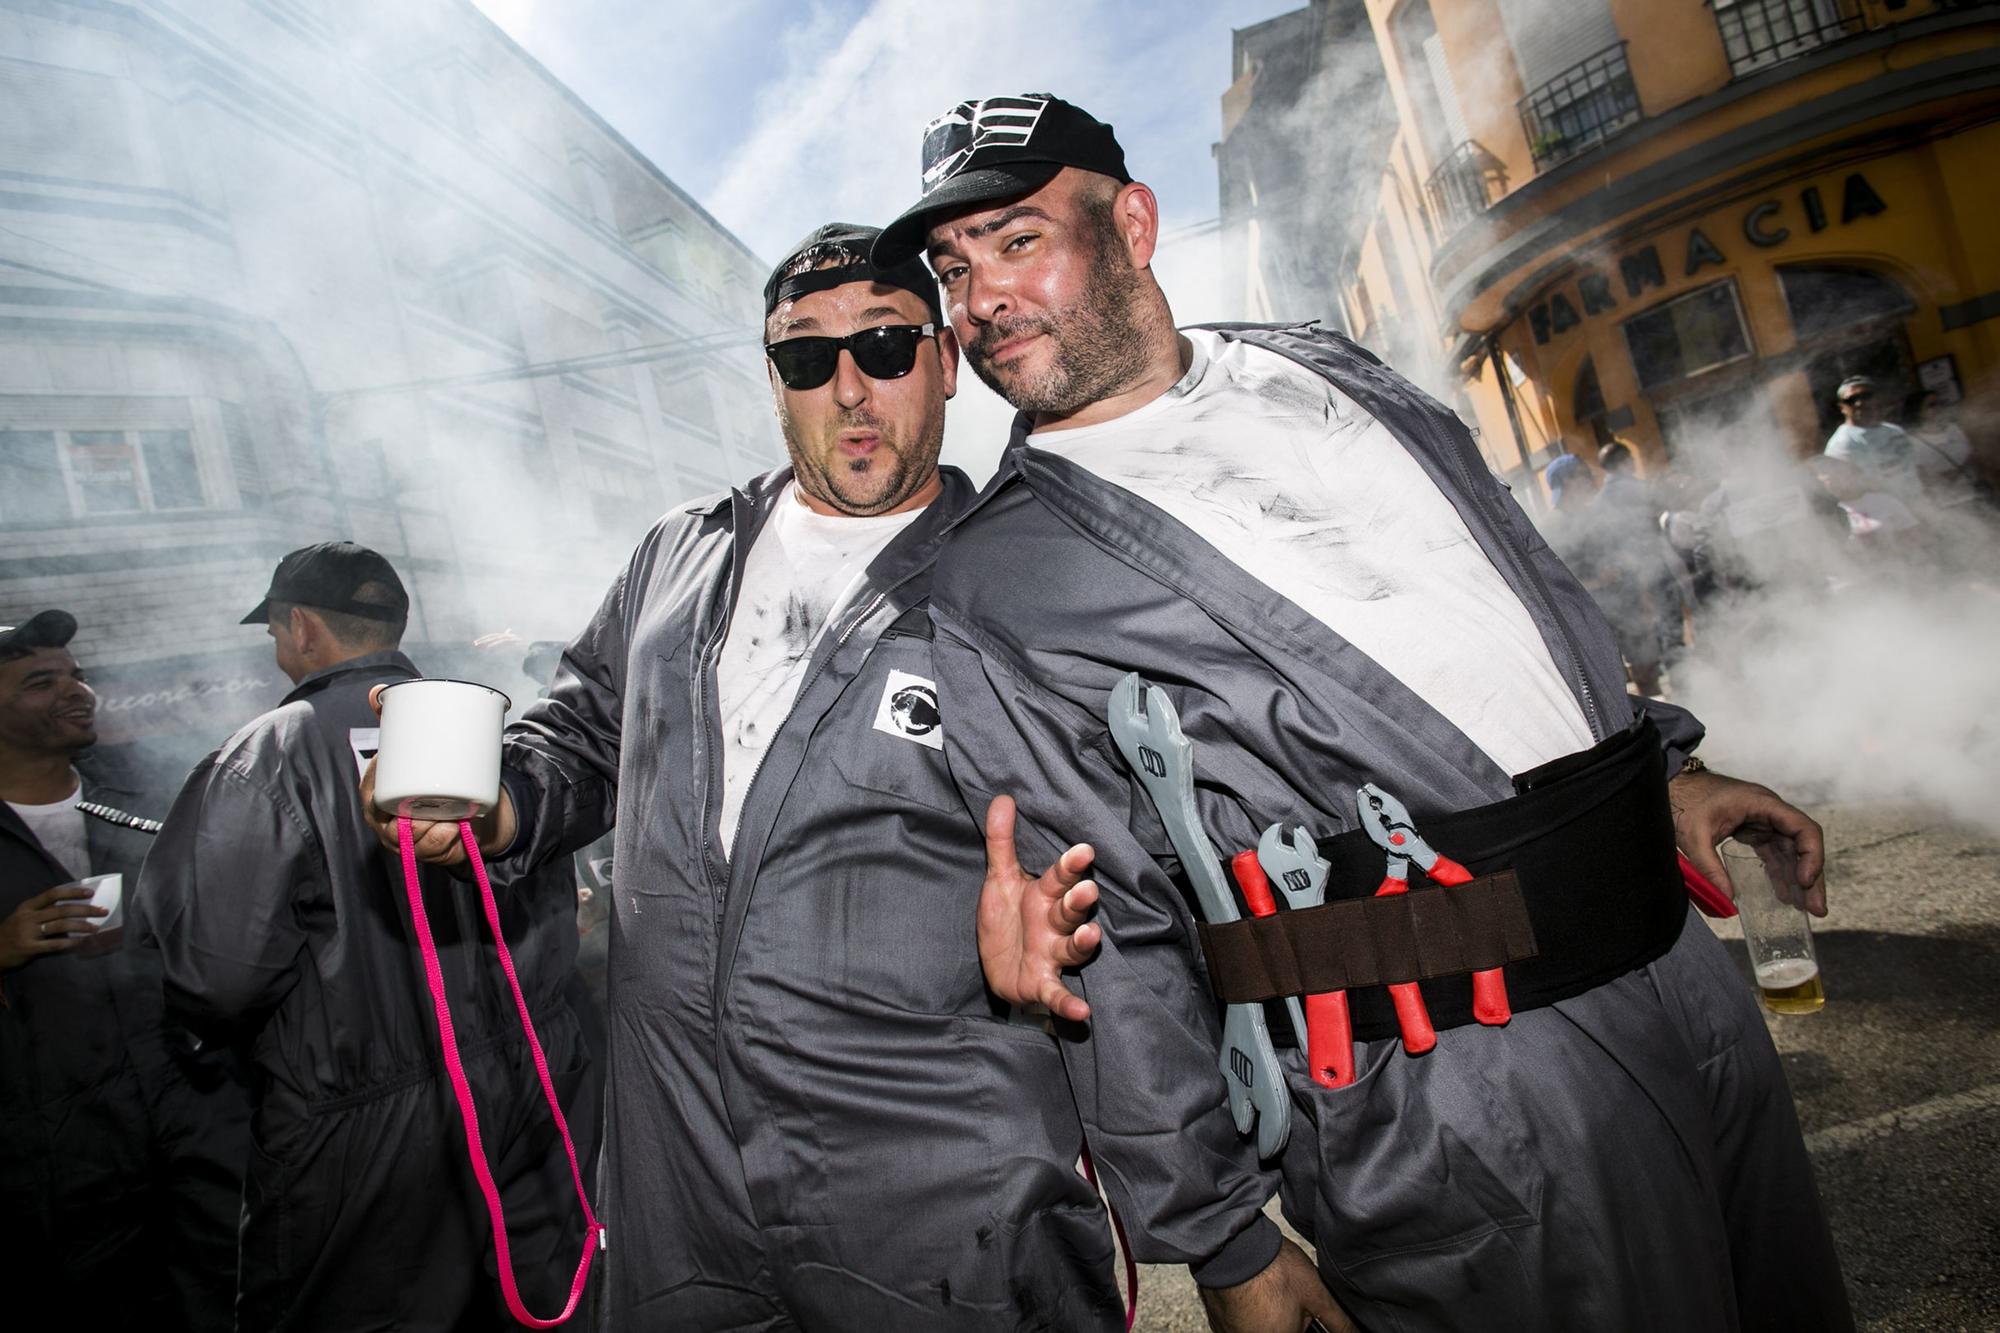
{"x": 1776, "y": 929}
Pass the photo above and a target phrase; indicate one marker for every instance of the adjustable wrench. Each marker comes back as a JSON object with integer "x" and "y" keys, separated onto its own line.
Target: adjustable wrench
{"x": 1256, "y": 886}
{"x": 1147, "y": 730}
{"x": 1295, "y": 866}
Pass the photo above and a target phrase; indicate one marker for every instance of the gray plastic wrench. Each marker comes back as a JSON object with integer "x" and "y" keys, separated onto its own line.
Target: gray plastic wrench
{"x": 1147, "y": 730}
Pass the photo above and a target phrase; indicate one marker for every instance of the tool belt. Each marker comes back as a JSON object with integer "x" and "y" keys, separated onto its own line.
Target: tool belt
{"x": 1577, "y": 882}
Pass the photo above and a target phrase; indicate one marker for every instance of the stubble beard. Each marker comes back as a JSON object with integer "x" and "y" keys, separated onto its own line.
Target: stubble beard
{"x": 1099, "y": 345}
{"x": 885, "y": 478}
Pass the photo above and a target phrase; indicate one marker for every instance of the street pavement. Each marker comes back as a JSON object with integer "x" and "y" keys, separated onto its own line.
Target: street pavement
{"x": 1897, "y": 1080}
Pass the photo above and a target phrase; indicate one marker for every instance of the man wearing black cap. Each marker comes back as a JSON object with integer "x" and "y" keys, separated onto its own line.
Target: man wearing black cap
{"x": 1310, "y": 558}
{"x": 818, "y": 1118}
{"x": 120, "y": 1147}
{"x": 282, "y": 929}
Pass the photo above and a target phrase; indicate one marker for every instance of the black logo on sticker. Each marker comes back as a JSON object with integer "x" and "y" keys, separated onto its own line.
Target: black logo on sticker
{"x": 914, "y": 710}
{"x": 1239, "y": 1064}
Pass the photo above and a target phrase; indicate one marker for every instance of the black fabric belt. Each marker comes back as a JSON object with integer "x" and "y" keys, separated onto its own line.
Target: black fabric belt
{"x": 1578, "y": 883}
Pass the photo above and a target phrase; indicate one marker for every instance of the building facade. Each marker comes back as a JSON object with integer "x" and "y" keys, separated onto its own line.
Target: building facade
{"x": 1678, "y": 222}
{"x": 279, "y": 271}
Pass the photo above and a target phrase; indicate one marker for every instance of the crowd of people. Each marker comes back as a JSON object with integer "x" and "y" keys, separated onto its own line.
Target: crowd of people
{"x": 1882, "y": 499}
{"x": 859, "y": 1068}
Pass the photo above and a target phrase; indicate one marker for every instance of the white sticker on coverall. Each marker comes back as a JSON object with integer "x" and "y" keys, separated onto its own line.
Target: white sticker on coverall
{"x": 365, "y": 741}
{"x": 909, "y": 709}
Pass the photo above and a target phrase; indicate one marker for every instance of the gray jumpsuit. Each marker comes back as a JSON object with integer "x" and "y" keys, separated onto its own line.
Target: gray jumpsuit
{"x": 818, "y": 1117}
{"x": 1628, "y": 1159}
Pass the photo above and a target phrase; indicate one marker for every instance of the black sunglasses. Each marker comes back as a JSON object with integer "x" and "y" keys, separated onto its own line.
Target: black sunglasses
{"x": 885, "y": 352}
{"x": 1853, "y": 398}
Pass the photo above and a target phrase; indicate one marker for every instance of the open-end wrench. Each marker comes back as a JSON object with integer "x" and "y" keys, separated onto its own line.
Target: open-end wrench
{"x": 1294, "y": 864}
{"x": 1256, "y": 886}
{"x": 1147, "y": 730}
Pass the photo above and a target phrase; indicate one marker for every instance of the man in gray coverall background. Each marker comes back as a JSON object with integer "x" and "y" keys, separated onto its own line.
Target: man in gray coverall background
{"x": 818, "y": 1118}
{"x": 1331, "y": 595}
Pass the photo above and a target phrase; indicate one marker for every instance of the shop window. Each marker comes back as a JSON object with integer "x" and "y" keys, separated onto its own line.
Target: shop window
{"x": 50, "y": 476}
{"x": 1831, "y": 301}
{"x": 1687, "y": 335}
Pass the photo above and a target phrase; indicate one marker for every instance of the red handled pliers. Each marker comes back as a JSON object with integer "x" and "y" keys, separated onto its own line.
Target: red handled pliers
{"x": 1389, "y": 825}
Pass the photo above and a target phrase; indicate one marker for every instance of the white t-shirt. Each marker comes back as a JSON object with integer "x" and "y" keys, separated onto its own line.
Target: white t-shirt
{"x": 802, "y": 570}
{"x": 1310, "y": 495}
{"x": 59, "y": 828}
{"x": 1883, "y": 452}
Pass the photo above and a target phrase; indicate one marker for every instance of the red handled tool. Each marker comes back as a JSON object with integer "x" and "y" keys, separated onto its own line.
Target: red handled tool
{"x": 1711, "y": 900}
{"x": 1298, "y": 871}
{"x": 1389, "y": 824}
{"x": 1257, "y": 893}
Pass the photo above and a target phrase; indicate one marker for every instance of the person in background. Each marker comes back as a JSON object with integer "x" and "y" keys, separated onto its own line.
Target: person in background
{"x": 121, "y": 1145}
{"x": 1607, "y": 537}
{"x": 1882, "y": 450}
{"x": 1943, "y": 454}
{"x": 281, "y": 926}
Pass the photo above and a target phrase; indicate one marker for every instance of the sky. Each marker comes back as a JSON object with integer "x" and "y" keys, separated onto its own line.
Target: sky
{"x": 778, "y": 115}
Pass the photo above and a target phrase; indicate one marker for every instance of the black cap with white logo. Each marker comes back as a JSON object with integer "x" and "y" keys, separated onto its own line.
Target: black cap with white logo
{"x": 327, "y": 576}
{"x": 997, "y": 148}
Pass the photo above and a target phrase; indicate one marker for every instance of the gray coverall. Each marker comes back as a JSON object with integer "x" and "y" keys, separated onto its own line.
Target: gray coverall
{"x": 1628, "y": 1159}
{"x": 283, "y": 924}
{"x": 818, "y": 1117}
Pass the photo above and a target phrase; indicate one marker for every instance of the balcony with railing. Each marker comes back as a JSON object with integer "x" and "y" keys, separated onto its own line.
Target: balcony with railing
{"x": 1464, "y": 185}
{"x": 1580, "y": 108}
{"x": 1760, "y": 33}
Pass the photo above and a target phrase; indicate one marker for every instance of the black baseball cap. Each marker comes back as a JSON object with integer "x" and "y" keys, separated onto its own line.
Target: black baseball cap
{"x": 326, "y": 577}
{"x": 996, "y": 148}
{"x": 44, "y": 629}
{"x": 845, "y": 255}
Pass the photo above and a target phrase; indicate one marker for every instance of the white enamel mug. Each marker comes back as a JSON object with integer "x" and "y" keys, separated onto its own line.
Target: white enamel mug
{"x": 440, "y": 749}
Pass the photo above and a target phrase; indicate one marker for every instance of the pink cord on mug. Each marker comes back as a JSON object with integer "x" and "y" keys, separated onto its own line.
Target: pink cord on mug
{"x": 593, "y": 1230}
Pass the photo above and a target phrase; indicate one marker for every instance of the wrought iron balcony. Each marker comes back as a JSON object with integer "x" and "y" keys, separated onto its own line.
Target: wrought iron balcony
{"x": 1760, "y": 33}
{"x": 1464, "y": 185}
{"x": 1581, "y": 107}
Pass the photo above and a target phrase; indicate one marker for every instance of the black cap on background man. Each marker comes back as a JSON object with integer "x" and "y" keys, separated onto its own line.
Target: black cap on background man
{"x": 997, "y": 148}
{"x": 44, "y": 629}
{"x": 326, "y": 576}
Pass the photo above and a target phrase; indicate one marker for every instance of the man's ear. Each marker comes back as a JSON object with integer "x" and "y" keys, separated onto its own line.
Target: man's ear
{"x": 1137, "y": 214}
{"x": 947, "y": 345}
{"x": 306, "y": 628}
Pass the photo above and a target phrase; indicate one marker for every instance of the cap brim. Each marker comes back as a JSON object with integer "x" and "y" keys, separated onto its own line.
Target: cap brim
{"x": 904, "y": 238}
{"x": 260, "y": 616}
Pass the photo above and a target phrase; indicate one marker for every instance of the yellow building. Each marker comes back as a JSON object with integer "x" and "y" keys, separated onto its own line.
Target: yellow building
{"x": 1636, "y": 219}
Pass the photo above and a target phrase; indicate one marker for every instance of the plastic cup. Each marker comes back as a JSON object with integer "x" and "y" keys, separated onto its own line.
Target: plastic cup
{"x": 1776, "y": 929}
{"x": 439, "y": 755}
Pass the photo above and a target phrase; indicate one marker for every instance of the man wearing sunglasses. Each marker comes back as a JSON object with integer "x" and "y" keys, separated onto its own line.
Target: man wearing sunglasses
{"x": 817, "y": 1116}
{"x": 1881, "y": 450}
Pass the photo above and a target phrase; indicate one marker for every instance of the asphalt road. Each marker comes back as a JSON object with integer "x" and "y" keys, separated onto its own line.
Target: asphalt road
{"x": 1897, "y": 1080}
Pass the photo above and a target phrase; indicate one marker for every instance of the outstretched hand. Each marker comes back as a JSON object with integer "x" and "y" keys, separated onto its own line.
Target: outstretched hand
{"x": 1031, "y": 929}
{"x": 1709, "y": 807}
